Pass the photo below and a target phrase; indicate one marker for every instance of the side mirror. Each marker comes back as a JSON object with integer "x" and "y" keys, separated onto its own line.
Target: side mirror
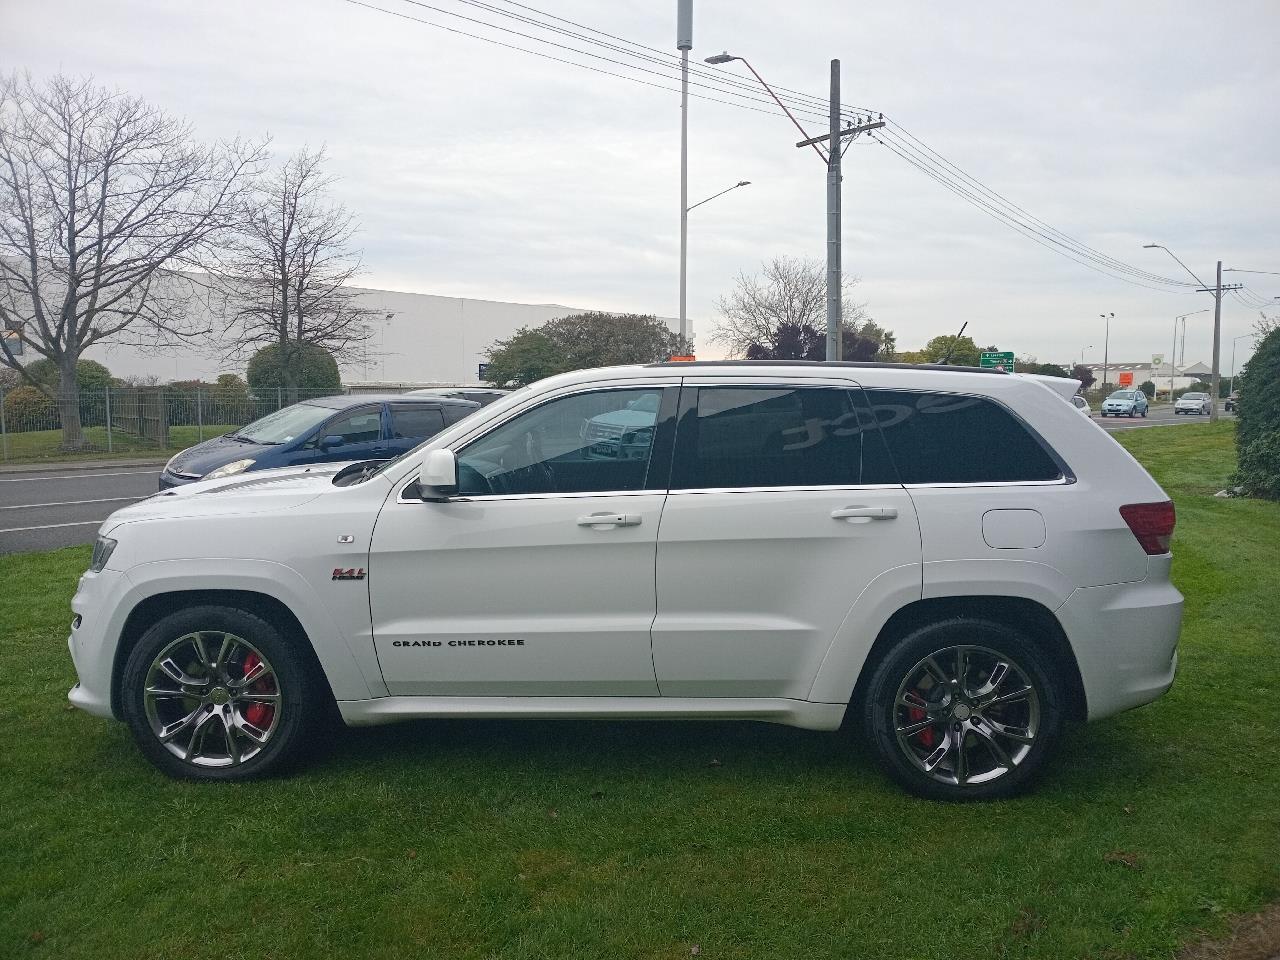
{"x": 331, "y": 441}
{"x": 439, "y": 479}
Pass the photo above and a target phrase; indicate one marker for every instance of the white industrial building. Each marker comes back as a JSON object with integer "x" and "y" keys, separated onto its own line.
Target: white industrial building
{"x": 1158, "y": 374}
{"x": 417, "y": 338}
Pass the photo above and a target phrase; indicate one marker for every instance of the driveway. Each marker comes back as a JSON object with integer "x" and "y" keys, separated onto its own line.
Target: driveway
{"x": 43, "y": 509}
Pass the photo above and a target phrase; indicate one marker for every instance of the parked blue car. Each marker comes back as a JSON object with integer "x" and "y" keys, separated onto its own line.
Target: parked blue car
{"x": 327, "y": 430}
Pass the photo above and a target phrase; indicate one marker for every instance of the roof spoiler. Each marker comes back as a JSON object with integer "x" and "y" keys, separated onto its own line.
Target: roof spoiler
{"x": 1065, "y": 387}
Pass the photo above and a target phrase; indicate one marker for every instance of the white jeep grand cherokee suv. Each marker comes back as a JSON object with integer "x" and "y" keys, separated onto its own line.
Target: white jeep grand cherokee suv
{"x": 951, "y": 560}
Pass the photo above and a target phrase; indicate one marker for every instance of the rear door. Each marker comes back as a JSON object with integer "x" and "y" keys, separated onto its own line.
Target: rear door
{"x": 783, "y": 509}
{"x": 411, "y": 423}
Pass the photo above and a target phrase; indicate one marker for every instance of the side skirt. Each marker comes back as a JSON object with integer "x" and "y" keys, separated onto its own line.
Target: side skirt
{"x": 794, "y": 713}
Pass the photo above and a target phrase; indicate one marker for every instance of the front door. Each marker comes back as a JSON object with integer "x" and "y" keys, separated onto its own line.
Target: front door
{"x": 538, "y": 578}
{"x": 355, "y": 434}
{"x": 783, "y": 509}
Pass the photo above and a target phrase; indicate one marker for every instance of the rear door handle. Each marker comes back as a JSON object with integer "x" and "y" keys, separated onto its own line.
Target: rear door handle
{"x": 610, "y": 520}
{"x": 855, "y": 514}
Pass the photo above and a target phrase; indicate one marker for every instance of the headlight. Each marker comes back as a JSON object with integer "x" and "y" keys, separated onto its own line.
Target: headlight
{"x": 228, "y": 469}
{"x": 102, "y": 550}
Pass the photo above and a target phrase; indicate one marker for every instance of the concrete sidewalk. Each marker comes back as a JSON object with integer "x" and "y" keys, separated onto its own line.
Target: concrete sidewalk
{"x": 58, "y": 466}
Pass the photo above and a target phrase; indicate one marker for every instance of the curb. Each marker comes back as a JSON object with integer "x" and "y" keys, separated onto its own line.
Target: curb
{"x": 60, "y": 466}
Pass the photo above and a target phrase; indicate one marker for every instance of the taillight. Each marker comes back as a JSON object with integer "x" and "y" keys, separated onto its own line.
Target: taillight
{"x": 1151, "y": 523}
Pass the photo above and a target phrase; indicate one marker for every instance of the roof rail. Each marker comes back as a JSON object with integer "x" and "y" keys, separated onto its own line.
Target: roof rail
{"x": 856, "y": 364}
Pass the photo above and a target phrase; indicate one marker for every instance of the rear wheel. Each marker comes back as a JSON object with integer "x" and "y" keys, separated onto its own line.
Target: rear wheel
{"x": 964, "y": 710}
{"x": 216, "y": 693}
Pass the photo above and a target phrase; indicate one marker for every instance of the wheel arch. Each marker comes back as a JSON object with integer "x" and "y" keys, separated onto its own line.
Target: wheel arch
{"x": 150, "y": 610}
{"x": 1028, "y": 616}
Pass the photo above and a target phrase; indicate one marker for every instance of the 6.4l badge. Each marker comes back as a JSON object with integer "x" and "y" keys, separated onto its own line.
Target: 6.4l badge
{"x": 348, "y": 573}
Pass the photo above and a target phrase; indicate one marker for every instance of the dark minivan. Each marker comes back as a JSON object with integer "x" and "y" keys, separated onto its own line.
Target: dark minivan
{"x": 326, "y": 430}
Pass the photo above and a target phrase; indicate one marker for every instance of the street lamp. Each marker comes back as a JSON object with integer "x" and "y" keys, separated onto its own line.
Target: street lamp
{"x": 1231, "y": 381}
{"x": 1082, "y": 350}
{"x": 1174, "y": 346}
{"x": 726, "y": 57}
{"x": 1106, "y": 346}
{"x": 684, "y": 43}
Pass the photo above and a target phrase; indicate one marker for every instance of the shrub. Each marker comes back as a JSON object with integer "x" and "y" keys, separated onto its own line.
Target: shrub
{"x": 317, "y": 371}
{"x": 1148, "y": 388}
{"x": 26, "y": 408}
{"x": 230, "y": 399}
{"x": 1258, "y": 471}
{"x": 1258, "y": 421}
{"x": 90, "y": 375}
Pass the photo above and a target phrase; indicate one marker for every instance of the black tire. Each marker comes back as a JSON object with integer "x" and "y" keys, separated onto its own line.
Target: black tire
{"x": 880, "y": 710}
{"x": 293, "y": 681}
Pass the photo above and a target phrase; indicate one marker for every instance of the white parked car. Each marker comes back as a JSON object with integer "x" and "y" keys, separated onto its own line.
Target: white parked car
{"x": 950, "y": 561}
{"x": 1192, "y": 403}
{"x": 1081, "y": 404}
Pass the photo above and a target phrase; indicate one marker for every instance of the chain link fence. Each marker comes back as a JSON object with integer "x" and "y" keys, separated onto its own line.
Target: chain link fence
{"x": 129, "y": 421}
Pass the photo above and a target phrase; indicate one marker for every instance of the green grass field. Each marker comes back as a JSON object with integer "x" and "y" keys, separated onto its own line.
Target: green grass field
{"x": 652, "y": 840}
{"x": 41, "y": 446}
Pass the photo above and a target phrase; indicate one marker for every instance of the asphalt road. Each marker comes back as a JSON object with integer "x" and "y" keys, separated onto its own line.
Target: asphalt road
{"x": 1156, "y": 417}
{"x": 44, "y": 510}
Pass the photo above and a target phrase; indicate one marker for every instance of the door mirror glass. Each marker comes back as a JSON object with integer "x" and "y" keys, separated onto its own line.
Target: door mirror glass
{"x": 439, "y": 475}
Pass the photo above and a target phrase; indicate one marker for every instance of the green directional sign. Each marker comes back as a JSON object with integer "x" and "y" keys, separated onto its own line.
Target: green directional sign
{"x": 1002, "y": 360}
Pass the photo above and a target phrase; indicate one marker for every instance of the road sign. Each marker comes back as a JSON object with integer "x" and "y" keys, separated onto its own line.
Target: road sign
{"x": 1126, "y": 378}
{"x": 1000, "y": 361}
{"x": 1157, "y": 360}
{"x": 480, "y": 373}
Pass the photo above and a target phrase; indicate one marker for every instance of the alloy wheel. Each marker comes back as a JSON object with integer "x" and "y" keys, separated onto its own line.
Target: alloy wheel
{"x": 212, "y": 699}
{"x": 966, "y": 715}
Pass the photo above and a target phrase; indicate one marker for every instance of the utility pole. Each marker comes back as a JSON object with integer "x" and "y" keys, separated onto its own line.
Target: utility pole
{"x": 835, "y": 150}
{"x": 684, "y": 43}
{"x": 1217, "y": 290}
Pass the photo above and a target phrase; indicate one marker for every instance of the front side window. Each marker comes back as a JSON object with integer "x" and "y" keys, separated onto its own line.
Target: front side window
{"x": 415, "y": 423}
{"x": 362, "y": 425}
{"x": 734, "y": 437}
{"x": 951, "y": 438}
{"x": 586, "y": 443}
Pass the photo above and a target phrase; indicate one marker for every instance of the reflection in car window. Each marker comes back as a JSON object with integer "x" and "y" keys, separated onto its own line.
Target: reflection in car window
{"x": 586, "y": 443}
{"x": 415, "y": 423}
{"x": 778, "y": 437}
{"x": 951, "y": 438}
{"x": 283, "y": 425}
{"x": 362, "y": 425}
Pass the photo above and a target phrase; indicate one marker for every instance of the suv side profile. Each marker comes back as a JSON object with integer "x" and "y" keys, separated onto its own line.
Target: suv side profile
{"x": 952, "y": 562}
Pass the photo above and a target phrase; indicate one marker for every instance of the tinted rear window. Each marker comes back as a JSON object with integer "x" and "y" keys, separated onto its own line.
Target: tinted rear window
{"x": 415, "y": 423}
{"x": 950, "y": 438}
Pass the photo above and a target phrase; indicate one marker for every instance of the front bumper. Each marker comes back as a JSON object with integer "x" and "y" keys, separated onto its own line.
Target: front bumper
{"x": 168, "y": 479}
{"x": 91, "y": 643}
{"x": 1125, "y": 638}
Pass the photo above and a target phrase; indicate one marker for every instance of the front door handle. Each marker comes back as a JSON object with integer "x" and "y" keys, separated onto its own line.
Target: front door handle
{"x": 863, "y": 514}
{"x": 609, "y": 520}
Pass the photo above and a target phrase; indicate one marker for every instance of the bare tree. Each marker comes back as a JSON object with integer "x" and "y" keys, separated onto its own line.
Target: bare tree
{"x": 287, "y": 282}
{"x": 103, "y": 198}
{"x": 789, "y": 293}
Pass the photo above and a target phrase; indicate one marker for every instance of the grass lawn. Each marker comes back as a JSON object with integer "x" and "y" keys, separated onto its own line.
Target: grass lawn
{"x": 41, "y": 446}
{"x": 556, "y": 839}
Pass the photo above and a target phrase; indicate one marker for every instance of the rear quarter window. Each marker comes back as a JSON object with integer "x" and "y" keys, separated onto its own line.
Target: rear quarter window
{"x": 953, "y": 438}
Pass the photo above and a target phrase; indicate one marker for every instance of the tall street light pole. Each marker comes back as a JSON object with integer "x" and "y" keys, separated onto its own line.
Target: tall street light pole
{"x": 1217, "y": 290}
{"x": 1231, "y": 381}
{"x": 684, "y": 43}
{"x": 1183, "y": 318}
{"x": 1106, "y": 346}
{"x": 834, "y": 138}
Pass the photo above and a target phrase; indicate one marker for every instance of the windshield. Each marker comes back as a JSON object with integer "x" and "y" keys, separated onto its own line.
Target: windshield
{"x": 1195, "y": 396}
{"x": 1122, "y": 395}
{"x": 283, "y": 425}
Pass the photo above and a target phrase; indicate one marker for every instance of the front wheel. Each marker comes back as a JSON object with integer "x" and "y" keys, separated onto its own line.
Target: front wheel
{"x": 216, "y": 693}
{"x": 964, "y": 710}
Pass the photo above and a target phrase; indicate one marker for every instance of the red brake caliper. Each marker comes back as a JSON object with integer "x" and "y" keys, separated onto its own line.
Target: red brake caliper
{"x": 915, "y": 715}
{"x": 258, "y": 714}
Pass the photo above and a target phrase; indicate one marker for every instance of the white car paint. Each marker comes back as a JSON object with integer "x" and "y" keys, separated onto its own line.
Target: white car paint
{"x": 753, "y": 603}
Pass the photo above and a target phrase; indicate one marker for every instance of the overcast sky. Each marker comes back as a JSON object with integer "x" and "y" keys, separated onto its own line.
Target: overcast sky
{"x": 485, "y": 172}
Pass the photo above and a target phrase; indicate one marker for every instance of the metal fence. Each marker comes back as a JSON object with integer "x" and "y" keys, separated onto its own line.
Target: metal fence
{"x": 131, "y": 420}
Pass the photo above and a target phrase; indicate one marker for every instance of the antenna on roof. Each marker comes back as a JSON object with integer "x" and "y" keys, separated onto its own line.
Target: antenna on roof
{"x": 954, "y": 343}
